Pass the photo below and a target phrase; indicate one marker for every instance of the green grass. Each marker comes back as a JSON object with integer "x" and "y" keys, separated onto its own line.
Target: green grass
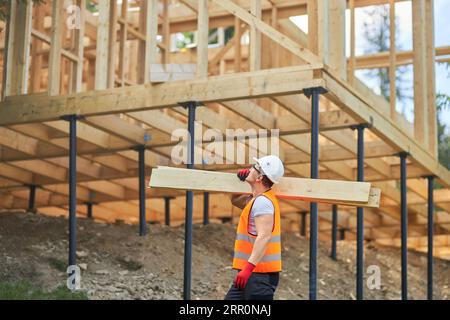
{"x": 24, "y": 290}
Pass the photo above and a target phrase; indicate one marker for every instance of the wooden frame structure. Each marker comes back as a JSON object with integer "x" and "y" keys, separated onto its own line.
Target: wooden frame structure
{"x": 101, "y": 70}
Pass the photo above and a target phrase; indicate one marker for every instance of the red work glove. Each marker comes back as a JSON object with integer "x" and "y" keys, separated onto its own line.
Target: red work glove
{"x": 242, "y": 277}
{"x": 243, "y": 174}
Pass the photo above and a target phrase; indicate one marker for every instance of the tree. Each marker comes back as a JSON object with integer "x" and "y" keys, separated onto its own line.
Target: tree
{"x": 442, "y": 104}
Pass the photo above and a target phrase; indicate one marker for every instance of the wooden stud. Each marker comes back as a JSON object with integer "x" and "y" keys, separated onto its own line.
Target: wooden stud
{"x": 352, "y": 62}
{"x": 202, "y": 39}
{"x": 255, "y": 37}
{"x": 431, "y": 78}
{"x": 112, "y": 39}
{"x": 276, "y": 48}
{"x": 166, "y": 32}
{"x": 19, "y": 37}
{"x": 327, "y": 38}
{"x": 77, "y": 78}
{"x": 237, "y": 45}
{"x": 122, "y": 42}
{"x": 421, "y": 119}
{"x": 148, "y": 25}
{"x": 102, "y": 56}
{"x": 336, "y": 37}
{"x": 54, "y": 69}
{"x": 36, "y": 59}
{"x": 313, "y": 26}
{"x": 392, "y": 59}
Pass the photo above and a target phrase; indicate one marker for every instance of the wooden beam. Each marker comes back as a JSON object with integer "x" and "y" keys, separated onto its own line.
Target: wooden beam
{"x": 329, "y": 120}
{"x": 134, "y": 133}
{"x": 327, "y": 191}
{"x": 41, "y": 144}
{"x": 374, "y": 149}
{"x": 381, "y": 59}
{"x": 34, "y": 108}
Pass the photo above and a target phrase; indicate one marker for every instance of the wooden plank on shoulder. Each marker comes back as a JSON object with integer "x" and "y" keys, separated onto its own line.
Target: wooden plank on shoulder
{"x": 311, "y": 190}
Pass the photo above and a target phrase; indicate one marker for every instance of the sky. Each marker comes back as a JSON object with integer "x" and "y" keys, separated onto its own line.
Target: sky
{"x": 404, "y": 42}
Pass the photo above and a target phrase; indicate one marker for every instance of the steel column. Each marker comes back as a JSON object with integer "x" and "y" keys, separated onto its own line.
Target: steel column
{"x": 73, "y": 192}
{"x": 334, "y": 226}
{"x": 314, "y": 94}
{"x": 167, "y": 210}
{"x": 191, "y": 106}
{"x": 404, "y": 225}
{"x": 72, "y": 188}
{"x": 360, "y": 216}
{"x": 206, "y": 208}
{"x": 430, "y": 237}
{"x": 342, "y": 234}
{"x": 303, "y": 223}
{"x": 89, "y": 209}
{"x": 32, "y": 198}
{"x": 142, "y": 212}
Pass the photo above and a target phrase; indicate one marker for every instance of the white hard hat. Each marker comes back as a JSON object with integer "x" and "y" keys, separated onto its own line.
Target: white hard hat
{"x": 272, "y": 167}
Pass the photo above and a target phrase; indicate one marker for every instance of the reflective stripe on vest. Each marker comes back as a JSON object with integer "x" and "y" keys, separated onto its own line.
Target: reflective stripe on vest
{"x": 266, "y": 258}
{"x": 243, "y": 246}
{"x": 245, "y": 237}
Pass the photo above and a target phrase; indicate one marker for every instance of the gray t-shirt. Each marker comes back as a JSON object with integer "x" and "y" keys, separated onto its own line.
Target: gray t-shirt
{"x": 261, "y": 206}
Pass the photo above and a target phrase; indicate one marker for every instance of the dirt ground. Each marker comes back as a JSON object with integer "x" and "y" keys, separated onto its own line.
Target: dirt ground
{"x": 118, "y": 264}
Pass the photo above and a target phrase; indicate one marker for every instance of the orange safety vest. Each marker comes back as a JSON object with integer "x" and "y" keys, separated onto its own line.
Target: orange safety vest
{"x": 243, "y": 245}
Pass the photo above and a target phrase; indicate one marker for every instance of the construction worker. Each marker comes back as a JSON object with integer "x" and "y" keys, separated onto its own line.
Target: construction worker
{"x": 257, "y": 248}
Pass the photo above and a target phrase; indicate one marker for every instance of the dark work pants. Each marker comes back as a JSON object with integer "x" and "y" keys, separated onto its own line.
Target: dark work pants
{"x": 260, "y": 286}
